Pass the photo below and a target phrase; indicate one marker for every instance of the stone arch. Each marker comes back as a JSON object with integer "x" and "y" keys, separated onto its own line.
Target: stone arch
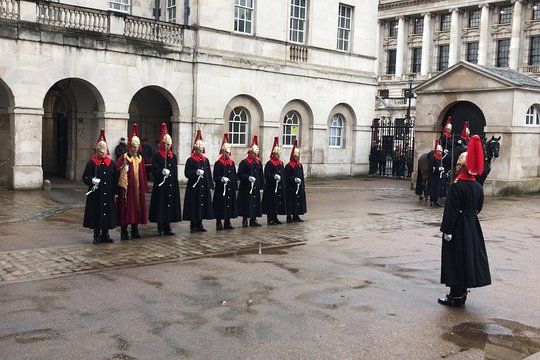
{"x": 256, "y": 118}
{"x": 306, "y": 123}
{"x": 460, "y": 112}
{"x": 151, "y": 106}
{"x": 73, "y": 111}
{"x": 6, "y": 108}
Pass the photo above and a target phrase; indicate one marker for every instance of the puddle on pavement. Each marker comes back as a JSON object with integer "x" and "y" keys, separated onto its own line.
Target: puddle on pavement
{"x": 32, "y": 336}
{"x": 233, "y": 330}
{"x": 500, "y": 339}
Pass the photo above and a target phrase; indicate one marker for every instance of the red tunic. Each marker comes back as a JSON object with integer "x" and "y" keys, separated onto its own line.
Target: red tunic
{"x": 132, "y": 202}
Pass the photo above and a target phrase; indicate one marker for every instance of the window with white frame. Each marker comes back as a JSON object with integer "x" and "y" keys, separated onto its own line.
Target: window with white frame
{"x": 171, "y": 11}
{"x": 393, "y": 28}
{"x": 291, "y": 127}
{"x": 243, "y": 16}
{"x": 536, "y": 10}
{"x": 344, "y": 27}
{"x": 505, "y": 14}
{"x": 335, "y": 137}
{"x": 238, "y": 126}
{"x": 474, "y": 18}
{"x": 120, "y": 5}
{"x": 297, "y": 24}
{"x": 445, "y": 22}
{"x": 418, "y": 26}
{"x": 532, "y": 117}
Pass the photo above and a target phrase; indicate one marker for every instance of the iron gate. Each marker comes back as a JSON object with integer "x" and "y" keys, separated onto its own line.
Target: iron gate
{"x": 392, "y": 147}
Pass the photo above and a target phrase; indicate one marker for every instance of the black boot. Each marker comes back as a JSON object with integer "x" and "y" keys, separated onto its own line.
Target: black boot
{"x": 244, "y": 222}
{"x": 228, "y": 225}
{"x": 167, "y": 229}
{"x": 270, "y": 220}
{"x": 219, "y": 225}
{"x": 253, "y": 222}
{"x": 124, "y": 232}
{"x": 193, "y": 228}
{"x": 276, "y": 220}
{"x": 297, "y": 219}
{"x": 289, "y": 219}
{"x": 105, "y": 236}
{"x": 456, "y": 298}
{"x": 135, "y": 231}
{"x": 97, "y": 238}
{"x": 201, "y": 227}
{"x": 160, "y": 229}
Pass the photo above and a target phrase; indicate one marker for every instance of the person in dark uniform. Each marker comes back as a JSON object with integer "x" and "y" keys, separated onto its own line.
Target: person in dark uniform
{"x": 100, "y": 175}
{"x": 465, "y": 133}
{"x": 121, "y": 148}
{"x": 435, "y": 170}
{"x": 198, "y": 198}
{"x": 132, "y": 188}
{"x": 250, "y": 175}
{"x": 445, "y": 140}
{"x": 225, "y": 179}
{"x": 464, "y": 262}
{"x": 373, "y": 159}
{"x": 274, "y": 199}
{"x": 165, "y": 198}
{"x": 295, "y": 191}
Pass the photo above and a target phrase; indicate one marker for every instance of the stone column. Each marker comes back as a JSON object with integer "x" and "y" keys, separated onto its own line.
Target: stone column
{"x": 455, "y": 38}
{"x": 516, "y": 36}
{"x": 483, "y": 44}
{"x": 116, "y": 126}
{"x": 427, "y": 45}
{"x": 401, "y": 47}
{"x": 25, "y": 136}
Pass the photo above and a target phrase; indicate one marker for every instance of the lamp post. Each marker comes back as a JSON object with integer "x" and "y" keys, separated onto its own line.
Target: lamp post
{"x": 410, "y": 95}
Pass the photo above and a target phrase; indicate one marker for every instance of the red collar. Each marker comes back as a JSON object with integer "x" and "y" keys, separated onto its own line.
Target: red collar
{"x": 251, "y": 160}
{"x": 446, "y": 134}
{"x": 276, "y": 162}
{"x": 198, "y": 158}
{"x": 162, "y": 152}
{"x": 98, "y": 161}
{"x": 295, "y": 163}
{"x": 437, "y": 156}
{"x": 465, "y": 175}
{"x": 225, "y": 162}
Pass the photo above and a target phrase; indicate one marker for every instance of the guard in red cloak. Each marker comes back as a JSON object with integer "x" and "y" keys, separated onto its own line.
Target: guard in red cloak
{"x": 132, "y": 188}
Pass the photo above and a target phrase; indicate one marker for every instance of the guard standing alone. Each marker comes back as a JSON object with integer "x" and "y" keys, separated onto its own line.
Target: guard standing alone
{"x": 225, "y": 187}
{"x": 100, "y": 175}
{"x": 165, "y": 199}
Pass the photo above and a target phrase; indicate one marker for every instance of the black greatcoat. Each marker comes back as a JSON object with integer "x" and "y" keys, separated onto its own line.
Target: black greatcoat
{"x": 225, "y": 206}
{"x": 434, "y": 182}
{"x": 198, "y": 199}
{"x": 296, "y": 202}
{"x": 249, "y": 205}
{"x": 100, "y": 211}
{"x": 274, "y": 202}
{"x": 464, "y": 258}
{"x": 165, "y": 199}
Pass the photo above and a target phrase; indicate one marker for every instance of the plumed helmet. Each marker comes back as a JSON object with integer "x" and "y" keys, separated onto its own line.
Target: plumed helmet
{"x": 225, "y": 146}
{"x": 295, "y": 151}
{"x": 134, "y": 139}
{"x": 164, "y": 138}
{"x": 465, "y": 132}
{"x": 254, "y": 147}
{"x": 448, "y": 126}
{"x": 475, "y": 156}
{"x": 438, "y": 148}
{"x": 101, "y": 144}
{"x": 199, "y": 143}
{"x": 276, "y": 150}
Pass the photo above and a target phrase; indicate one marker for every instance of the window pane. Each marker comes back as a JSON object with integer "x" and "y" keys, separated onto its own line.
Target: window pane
{"x": 474, "y": 18}
{"x": 503, "y": 52}
{"x": 536, "y": 11}
{"x": 505, "y": 14}
{"x": 534, "y": 58}
{"x": 443, "y": 57}
{"x": 243, "y": 15}
{"x": 445, "y": 22}
{"x": 238, "y": 125}
{"x": 472, "y": 52}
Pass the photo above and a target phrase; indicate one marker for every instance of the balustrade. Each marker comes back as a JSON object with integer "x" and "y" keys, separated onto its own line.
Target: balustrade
{"x": 9, "y": 9}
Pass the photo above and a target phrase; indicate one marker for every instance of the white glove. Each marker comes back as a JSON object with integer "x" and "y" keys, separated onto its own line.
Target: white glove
{"x": 447, "y": 237}
{"x": 251, "y": 179}
{"x": 224, "y": 179}
{"x": 446, "y": 151}
{"x": 165, "y": 172}
{"x": 441, "y": 168}
{"x": 277, "y": 177}
{"x": 96, "y": 181}
{"x": 297, "y": 180}
{"x": 200, "y": 172}
{"x": 126, "y": 168}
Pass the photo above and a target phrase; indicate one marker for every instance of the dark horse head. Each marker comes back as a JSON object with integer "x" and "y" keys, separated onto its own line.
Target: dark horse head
{"x": 491, "y": 152}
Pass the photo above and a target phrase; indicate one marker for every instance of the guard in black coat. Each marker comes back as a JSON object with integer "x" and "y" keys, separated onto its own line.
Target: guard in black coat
{"x": 274, "y": 199}
{"x": 251, "y": 177}
{"x": 435, "y": 172}
{"x": 101, "y": 177}
{"x": 464, "y": 258}
{"x": 225, "y": 187}
{"x": 295, "y": 191}
{"x": 165, "y": 199}
{"x": 198, "y": 198}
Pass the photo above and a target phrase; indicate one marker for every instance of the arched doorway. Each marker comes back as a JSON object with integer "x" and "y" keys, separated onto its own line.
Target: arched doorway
{"x": 6, "y": 106}
{"x": 465, "y": 111}
{"x": 70, "y": 126}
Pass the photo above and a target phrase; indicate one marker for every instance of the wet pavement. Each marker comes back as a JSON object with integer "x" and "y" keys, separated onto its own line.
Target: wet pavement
{"x": 363, "y": 285}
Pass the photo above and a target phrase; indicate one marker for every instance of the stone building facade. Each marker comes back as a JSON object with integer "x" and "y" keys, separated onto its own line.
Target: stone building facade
{"x": 296, "y": 69}
{"x": 419, "y": 40}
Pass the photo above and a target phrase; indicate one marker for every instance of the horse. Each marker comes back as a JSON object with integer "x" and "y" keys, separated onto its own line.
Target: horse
{"x": 422, "y": 176}
{"x": 491, "y": 152}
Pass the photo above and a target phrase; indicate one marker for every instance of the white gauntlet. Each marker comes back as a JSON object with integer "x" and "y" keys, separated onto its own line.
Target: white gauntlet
{"x": 96, "y": 181}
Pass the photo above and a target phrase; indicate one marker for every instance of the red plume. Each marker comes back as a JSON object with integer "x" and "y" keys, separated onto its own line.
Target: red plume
{"x": 475, "y": 156}
{"x": 295, "y": 145}
{"x": 276, "y": 143}
{"x": 163, "y": 133}
{"x": 225, "y": 140}
{"x": 198, "y": 136}
{"x": 255, "y": 141}
{"x": 135, "y": 132}
{"x": 436, "y": 154}
{"x": 464, "y": 132}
